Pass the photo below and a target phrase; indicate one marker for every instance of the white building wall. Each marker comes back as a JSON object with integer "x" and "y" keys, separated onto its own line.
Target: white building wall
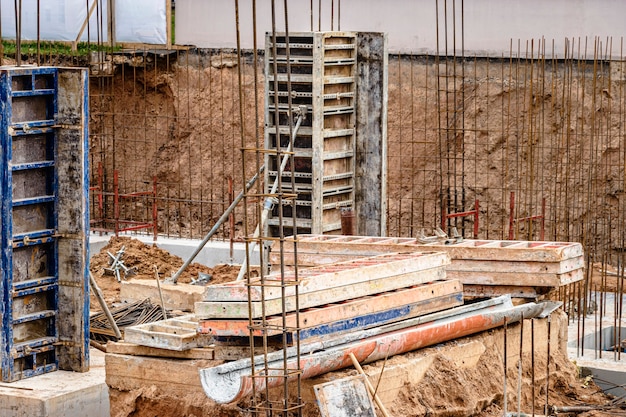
{"x": 491, "y": 26}
{"x": 61, "y": 20}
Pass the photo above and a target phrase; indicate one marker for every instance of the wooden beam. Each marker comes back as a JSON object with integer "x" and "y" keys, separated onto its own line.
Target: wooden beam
{"x": 125, "y": 348}
{"x": 168, "y": 24}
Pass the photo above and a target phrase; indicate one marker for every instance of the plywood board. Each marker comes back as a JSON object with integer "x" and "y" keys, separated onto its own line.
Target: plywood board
{"x": 241, "y": 309}
{"x": 345, "y": 397}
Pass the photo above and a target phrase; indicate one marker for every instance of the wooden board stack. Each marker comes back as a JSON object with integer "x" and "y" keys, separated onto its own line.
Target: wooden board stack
{"x": 486, "y": 268}
{"x": 332, "y": 299}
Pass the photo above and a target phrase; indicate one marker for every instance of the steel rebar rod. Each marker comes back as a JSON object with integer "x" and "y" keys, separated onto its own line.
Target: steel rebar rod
{"x": 269, "y": 201}
{"x": 103, "y": 304}
{"x": 216, "y": 226}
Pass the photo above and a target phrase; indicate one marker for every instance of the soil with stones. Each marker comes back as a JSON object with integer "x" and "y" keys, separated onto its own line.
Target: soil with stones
{"x": 146, "y": 261}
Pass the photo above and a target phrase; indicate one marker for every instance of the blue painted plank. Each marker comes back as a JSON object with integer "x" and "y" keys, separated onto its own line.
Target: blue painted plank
{"x": 373, "y": 320}
{"x": 35, "y": 290}
{"x": 34, "y": 316}
{"x": 33, "y": 200}
{"x": 22, "y": 285}
{"x": 33, "y": 93}
{"x": 33, "y": 165}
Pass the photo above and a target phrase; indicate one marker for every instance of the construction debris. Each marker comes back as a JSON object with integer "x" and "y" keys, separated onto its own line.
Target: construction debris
{"x": 174, "y": 334}
{"x": 125, "y": 316}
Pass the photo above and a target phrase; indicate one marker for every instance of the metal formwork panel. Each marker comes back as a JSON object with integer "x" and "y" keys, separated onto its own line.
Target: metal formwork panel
{"x": 43, "y": 110}
{"x": 322, "y": 67}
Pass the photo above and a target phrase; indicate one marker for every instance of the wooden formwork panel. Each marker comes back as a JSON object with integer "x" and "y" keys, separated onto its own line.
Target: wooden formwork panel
{"x": 476, "y": 262}
{"x": 323, "y": 79}
{"x": 398, "y": 304}
{"x": 326, "y": 249}
{"x": 257, "y": 309}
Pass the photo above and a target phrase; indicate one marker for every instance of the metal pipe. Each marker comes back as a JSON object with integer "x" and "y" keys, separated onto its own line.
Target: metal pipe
{"x": 231, "y": 382}
{"x": 217, "y": 225}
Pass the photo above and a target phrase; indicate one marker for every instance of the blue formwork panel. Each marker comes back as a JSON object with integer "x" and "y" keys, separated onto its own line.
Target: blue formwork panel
{"x": 44, "y": 304}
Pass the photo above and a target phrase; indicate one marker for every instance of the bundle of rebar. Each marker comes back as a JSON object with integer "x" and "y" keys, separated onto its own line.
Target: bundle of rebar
{"x": 127, "y": 315}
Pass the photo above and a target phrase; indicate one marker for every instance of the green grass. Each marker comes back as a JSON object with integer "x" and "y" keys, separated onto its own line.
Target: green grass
{"x": 53, "y": 48}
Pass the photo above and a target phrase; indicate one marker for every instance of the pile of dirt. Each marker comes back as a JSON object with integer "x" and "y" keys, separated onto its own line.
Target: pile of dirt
{"x": 146, "y": 262}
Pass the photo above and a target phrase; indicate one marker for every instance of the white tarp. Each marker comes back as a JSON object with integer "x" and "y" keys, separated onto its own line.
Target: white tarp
{"x": 141, "y": 21}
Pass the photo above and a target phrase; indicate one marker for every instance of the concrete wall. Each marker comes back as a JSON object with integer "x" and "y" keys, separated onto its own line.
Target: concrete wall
{"x": 490, "y": 25}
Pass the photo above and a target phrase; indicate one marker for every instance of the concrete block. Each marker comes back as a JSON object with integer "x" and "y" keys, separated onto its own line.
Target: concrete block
{"x": 59, "y": 394}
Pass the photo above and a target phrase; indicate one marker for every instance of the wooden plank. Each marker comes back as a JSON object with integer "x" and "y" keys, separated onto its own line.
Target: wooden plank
{"x": 229, "y": 352}
{"x": 171, "y": 377}
{"x": 531, "y": 267}
{"x": 487, "y": 291}
{"x": 516, "y": 278}
{"x": 125, "y": 348}
{"x": 504, "y": 250}
{"x": 239, "y": 309}
{"x": 167, "y": 334}
{"x": 339, "y": 311}
{"x": 328, "y": 276}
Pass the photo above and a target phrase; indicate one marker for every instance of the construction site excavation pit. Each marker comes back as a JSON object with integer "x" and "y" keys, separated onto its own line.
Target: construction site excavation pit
{"x": 434, "y": 192}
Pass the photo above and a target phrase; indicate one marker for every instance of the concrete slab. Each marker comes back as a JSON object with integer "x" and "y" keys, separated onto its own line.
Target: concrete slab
{"x": 589, "y": 345}
{"x": 59, "y": 394}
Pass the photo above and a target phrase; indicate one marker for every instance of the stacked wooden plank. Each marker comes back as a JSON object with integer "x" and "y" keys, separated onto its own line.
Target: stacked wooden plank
{"x": 485, "y": 267}
{"x": 332, "y": 299}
